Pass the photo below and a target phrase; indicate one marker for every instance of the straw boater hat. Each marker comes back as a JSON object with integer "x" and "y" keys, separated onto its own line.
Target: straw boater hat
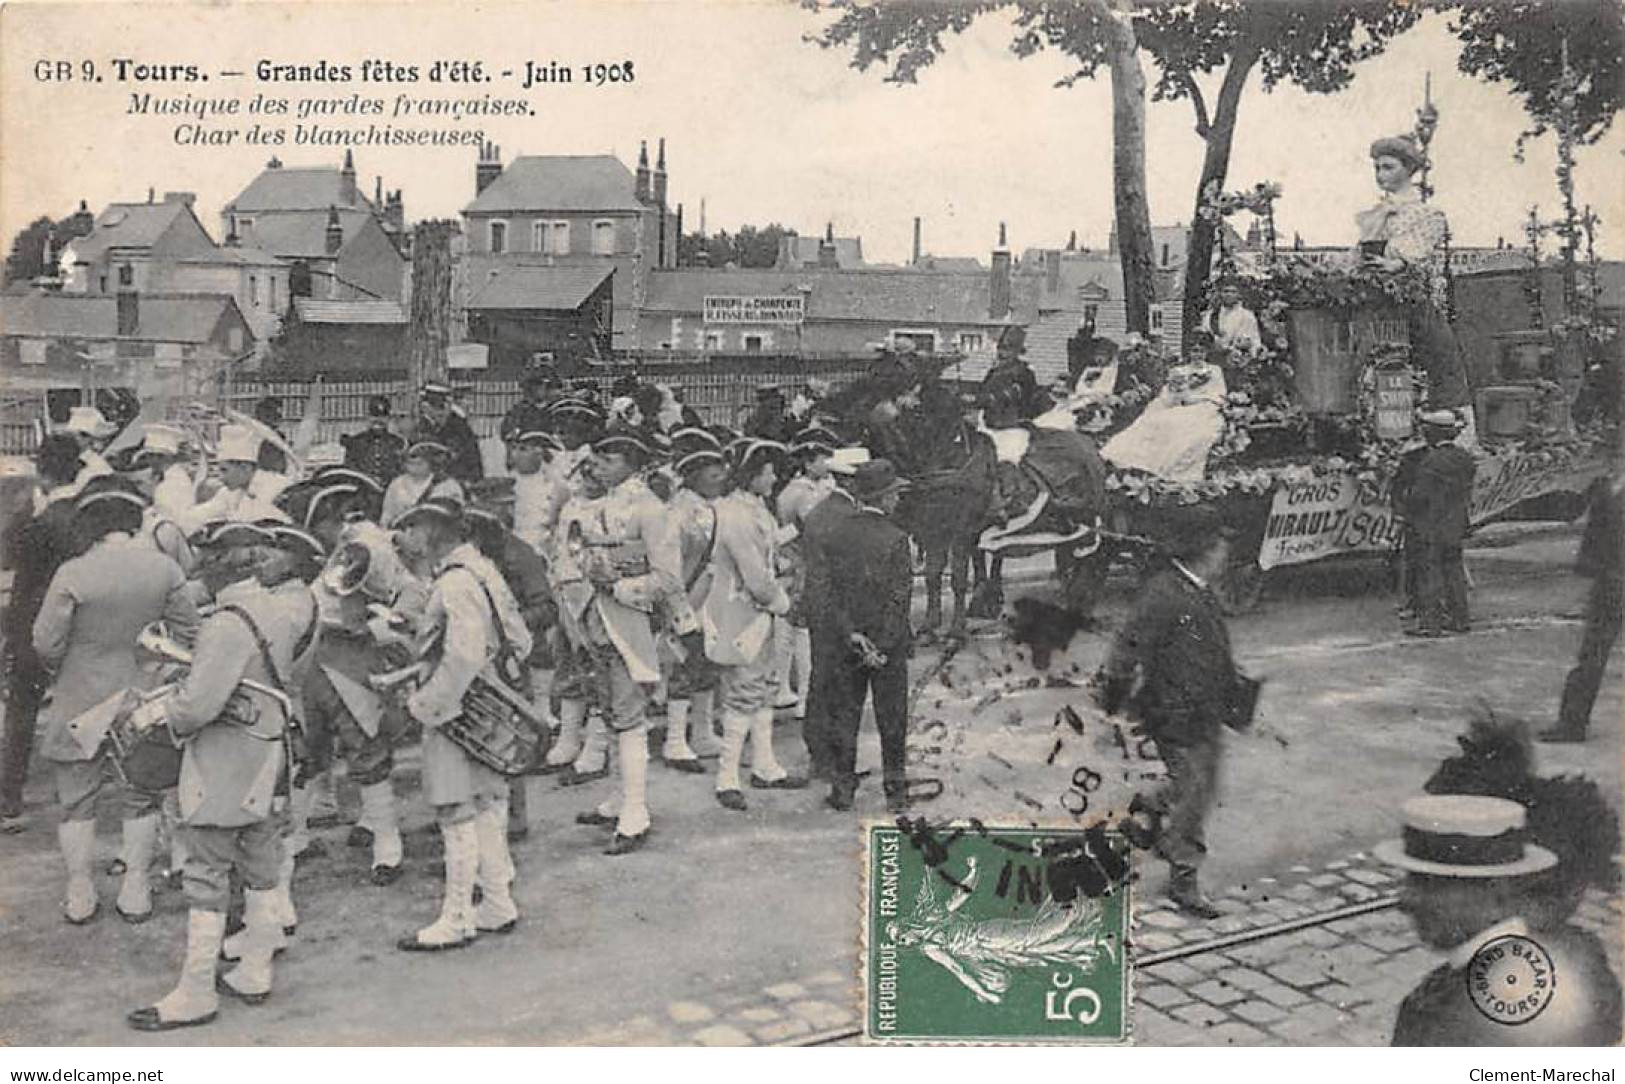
{"x": 1465, "y": 835}
{"x": 87, "y": 421}
{"x": 160, "y": 440}
{"x": 847, "y": 460}
{"x": 238, "y": 444}
{"x": 434, "y": 389}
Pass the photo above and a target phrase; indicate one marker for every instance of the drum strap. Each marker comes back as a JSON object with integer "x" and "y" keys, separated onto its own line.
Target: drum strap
{"x": 490, "y": 605}
{"x": 262, "y": 644}
{"x": 705, "y": 558}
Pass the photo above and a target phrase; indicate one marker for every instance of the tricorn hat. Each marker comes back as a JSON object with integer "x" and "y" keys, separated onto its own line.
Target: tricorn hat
{"x": 444, "y": 509}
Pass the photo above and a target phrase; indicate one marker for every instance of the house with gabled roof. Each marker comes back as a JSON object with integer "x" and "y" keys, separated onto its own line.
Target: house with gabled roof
{"x": 160, "y": 247}
{"x": 551, "y": 230}
{"x": 58, "y": 339}
{"x": 338, "y": 244}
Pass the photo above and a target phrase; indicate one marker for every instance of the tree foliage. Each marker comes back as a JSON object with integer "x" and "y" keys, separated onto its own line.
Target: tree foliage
{"x": 750, "y": 247}
{"x": 26, "y": 260}
{"x": 1519, "y": 43}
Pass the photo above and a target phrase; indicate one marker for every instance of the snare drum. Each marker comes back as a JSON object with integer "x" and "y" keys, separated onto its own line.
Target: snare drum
{"x": 499, "y": 728}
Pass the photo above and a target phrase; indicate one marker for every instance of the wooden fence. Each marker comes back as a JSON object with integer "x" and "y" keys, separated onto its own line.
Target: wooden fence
{"x": 721, "y": 389}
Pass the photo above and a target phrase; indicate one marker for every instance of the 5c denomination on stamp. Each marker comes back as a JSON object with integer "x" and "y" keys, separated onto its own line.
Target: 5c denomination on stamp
{"x": 1002, "y": 936}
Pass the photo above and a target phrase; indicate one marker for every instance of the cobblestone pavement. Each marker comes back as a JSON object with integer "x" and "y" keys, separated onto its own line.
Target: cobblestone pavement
{"x": 1333, "y": 984}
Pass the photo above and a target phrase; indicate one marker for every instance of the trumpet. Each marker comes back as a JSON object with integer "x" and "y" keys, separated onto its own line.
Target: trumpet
{"x": 157, "y": 640}
{"x": 387, "y": 680}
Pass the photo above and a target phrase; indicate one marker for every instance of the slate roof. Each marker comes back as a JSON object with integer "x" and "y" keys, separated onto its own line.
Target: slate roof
{"x": 798, "y": 251}
{"x": 557, "y": 289}
{"x": 127, "y": 225}
{"x": 557, "y": 182}
{"x": 182, "y": 318}
{"x": 244, "y": 254}
{"x": 899, "y": 297}
{"x": 302, "y": 234}
{"x": 285, "y": 189}
{"x": 312, "y": 311}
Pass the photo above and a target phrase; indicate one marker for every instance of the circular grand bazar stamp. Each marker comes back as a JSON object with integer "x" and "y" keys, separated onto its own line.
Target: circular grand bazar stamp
{"x": 1511, "y": 979}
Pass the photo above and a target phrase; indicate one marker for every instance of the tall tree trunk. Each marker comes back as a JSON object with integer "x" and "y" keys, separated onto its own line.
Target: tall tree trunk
{"x": 428, "y": 330}
{"x": 1220, "y": 135}
{"x": 1128, "y": 172}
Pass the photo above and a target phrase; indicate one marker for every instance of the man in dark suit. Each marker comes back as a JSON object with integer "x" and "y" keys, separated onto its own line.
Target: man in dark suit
{"x": 871, "y": 580}
{"x": 820, "y": 529}
{"x": 1176, "y": 643}
{"x": 1433, "y": 501}
{"x": 439, "y": 423}
{"x": 34, "y": 548}
{"x": 1600, "y": 558}
{"x": 375, "y": 450}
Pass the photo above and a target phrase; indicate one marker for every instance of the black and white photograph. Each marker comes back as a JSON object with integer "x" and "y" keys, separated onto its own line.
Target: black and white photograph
{"x": 811, "y": 523}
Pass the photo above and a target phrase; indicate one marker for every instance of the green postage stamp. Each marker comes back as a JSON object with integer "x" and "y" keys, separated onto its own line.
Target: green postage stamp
{"x": 981, "y": 934}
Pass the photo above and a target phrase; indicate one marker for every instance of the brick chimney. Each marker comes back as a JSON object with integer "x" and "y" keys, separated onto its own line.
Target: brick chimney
{"x": 915, "y": 260}
{"x": 998, "y": 293}
{"x": 660, "y": 173}
{"x": 488, "y": 168}
{"x": 395, "y": 211}
{"x": 826, "y": 248}
{"x": 644, "y": 188}
{"x": 129, "y": 312}
{"x": 1052, "y": 271}
{"x": 188, "y": 198}
{"x": 274, "y": 163}
{"x": 335, "y": 232}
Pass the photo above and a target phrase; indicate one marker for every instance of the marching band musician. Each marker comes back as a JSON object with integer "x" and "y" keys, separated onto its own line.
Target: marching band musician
{"x": 340, "y": 708}
{"x": 470, "y": 615}
{"x": 693, "y": 678}
{"x": 740, "y": 609}
{"x": 284, "y": 569}
{"x": 423, "y": 477}
{"x": 234, "y": 753}
{"x": 238, "y": 455}
{"x": 535, "y": 488}
{"x": 633, "y": 562}
{"x": 85, "y": 633}
{"x": 581, "y": 751}
{"x": 156, "y": 456}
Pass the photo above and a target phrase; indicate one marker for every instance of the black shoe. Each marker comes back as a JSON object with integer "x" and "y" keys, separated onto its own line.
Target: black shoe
{"x": 573, "y": 778}
{"x": 840, "y": 799}
{"x": 224, "y": 987}
{"x": 385, "y": 875}
{"x": 147, "y": 1019}
{"x": 134, "y": 920}
{"x": 1138, "y": 835}
{"x": 691, "y": 765}
{"x": 731, "y": 799}
{"x": 507, "y": 927}
{"x": 594, "y": 819}
{"x": 897, "y": 802}
{"x": 789, "y": 782}
{"x": 627, "y": 844}
{"x": 360, "y": 836}
{"x": 412, "y": 944}
{"x": 1562, "y": 735}
{"x": 1186, "y": 894}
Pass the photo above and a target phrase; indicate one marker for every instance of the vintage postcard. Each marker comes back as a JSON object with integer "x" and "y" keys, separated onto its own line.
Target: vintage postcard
{"x": 811, "y": 522}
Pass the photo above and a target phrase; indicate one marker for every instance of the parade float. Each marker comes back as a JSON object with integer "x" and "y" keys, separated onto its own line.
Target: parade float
{"x": 1296, "y": 429}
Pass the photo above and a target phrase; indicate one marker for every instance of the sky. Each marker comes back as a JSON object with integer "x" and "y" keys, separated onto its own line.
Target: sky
{"x": 760, "y": 125}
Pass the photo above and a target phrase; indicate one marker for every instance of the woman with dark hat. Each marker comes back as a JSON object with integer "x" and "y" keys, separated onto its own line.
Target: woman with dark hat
{"x": 744, "y": 604}
{"x": 85, "y": 633}
{"x": 423, "y": 478}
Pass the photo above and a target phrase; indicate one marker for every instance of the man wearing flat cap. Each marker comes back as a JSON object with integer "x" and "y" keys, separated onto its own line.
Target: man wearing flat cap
{"x": 375, "y": 450}
{"x": 1176, "y": 647}
{"x": 1432, "y": 494}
